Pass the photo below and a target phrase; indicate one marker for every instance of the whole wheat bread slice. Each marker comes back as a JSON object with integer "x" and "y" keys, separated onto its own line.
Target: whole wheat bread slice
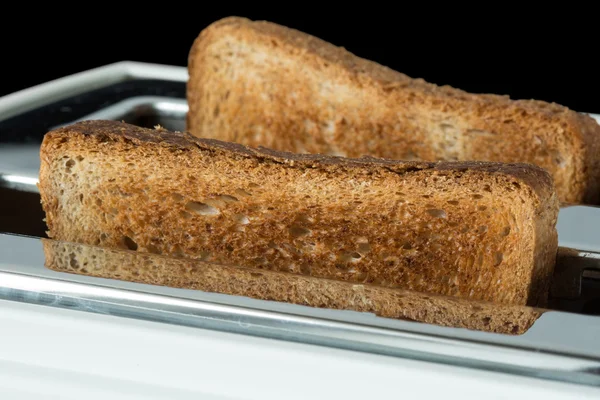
{"x": 474, "y": 230}
{"x": 286, "y": 287}
{"x": 259, "y": 83}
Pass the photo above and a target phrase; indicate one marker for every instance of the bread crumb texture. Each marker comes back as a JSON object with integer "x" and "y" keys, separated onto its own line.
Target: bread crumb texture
{"x": 480, "y": 231}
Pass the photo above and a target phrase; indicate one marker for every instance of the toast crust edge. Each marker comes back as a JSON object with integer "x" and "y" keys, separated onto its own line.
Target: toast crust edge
{"x": 107, "y": 130}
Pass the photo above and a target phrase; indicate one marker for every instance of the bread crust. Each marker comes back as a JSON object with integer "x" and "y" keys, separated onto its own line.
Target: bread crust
{"x": 106, "y": 131}
{"x": 118, "y": 185}
{"x": 308, "y": 95}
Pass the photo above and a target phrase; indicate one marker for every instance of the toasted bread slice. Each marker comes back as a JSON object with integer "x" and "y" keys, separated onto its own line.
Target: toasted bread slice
{"x": 475, "y": 230}
{"x": 259, "y": 83}
{"x": 286, "y": 287}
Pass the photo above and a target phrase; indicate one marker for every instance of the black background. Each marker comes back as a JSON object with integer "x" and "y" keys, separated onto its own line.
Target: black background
{"x": 502, "y": 49}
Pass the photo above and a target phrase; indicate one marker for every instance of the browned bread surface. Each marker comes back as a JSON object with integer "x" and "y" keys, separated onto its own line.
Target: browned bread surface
{"x": 285, "y": 287}
{"x": 259, "y": 83}
{"x": 474, "y": 230}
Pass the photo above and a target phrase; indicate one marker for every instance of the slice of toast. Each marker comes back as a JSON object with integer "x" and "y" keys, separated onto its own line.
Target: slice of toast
{"x": 309, "y": 291}
{"x": 483, "y": 231}
{"x": 259, "y": 83}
